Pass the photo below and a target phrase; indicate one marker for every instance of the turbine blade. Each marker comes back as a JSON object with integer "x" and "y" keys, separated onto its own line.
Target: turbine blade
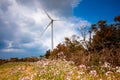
{"x": 47, "y": 15}
{"x": 58, "y": 20}
{"x": 45, "y": 29}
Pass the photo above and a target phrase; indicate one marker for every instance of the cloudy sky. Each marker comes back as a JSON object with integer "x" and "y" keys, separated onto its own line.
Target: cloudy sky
{"x": 22, "y": 22}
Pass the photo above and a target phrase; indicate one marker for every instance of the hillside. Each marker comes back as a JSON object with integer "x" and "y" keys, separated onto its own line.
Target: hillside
{"x": 57, "y": 70}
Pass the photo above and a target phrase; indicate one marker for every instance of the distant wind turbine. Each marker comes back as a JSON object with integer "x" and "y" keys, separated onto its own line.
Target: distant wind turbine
{"x": 51, "y": 23}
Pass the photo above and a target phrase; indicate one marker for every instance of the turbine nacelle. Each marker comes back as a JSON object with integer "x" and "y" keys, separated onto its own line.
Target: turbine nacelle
{"x": 51, "y": 23}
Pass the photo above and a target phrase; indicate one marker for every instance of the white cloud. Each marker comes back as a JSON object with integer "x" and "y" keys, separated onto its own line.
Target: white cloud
{"x": 60, "y": 7}
{"x": 13, "y": 50}
{"x": 29, "y": 23}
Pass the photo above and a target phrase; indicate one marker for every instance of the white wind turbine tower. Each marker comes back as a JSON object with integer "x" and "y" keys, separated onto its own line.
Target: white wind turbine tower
{"x": 51, "y": 23}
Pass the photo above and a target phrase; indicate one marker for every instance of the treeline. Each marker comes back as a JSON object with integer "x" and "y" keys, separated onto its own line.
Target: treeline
{"x": 103, "y": 45}
{"x": 27, "y": 59}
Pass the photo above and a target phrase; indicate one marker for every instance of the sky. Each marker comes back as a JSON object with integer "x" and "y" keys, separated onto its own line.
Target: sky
{"x": 22, "y": 22}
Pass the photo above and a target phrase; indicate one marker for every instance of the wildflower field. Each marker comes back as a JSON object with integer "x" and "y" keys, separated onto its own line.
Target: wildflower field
{"x": 57, "y": 70}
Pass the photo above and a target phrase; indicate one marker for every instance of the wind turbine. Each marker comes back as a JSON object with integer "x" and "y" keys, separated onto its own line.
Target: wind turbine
{"x": 51, "y": 23}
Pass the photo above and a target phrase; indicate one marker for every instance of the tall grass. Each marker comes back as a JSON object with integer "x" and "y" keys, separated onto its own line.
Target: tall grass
{"x": 57, "y": 70}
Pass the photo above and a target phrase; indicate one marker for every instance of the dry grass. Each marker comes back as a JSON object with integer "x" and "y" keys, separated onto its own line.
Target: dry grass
{"x": 57, "y": 70}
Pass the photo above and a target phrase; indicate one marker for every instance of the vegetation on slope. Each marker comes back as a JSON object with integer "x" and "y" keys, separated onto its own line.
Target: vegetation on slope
{"x": 57, "y": 70}
{"x": 103, "y": 46}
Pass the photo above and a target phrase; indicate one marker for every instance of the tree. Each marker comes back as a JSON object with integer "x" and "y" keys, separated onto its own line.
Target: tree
{"x": 73, "y": 44}
{"x": 117, "y": 18}
{"x": 48, "y": 52}
{"x": 106, "y": 36}
{"x": 70, "y": 45}
{"x": 93, "y": 30}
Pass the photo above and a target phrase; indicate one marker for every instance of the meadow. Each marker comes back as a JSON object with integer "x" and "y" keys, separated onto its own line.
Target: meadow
{"x": 47, "y": 69}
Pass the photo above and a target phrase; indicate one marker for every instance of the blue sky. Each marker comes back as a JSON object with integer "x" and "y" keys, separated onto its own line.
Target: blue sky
{"x": 95, "y": 10}
{"x": 22, "y": 21}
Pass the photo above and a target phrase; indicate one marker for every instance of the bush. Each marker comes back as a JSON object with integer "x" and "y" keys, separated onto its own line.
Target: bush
{"x": 111, "y": 55}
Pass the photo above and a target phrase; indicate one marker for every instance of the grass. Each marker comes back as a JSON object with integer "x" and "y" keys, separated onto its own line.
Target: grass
{"x": 57, "y": 70}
